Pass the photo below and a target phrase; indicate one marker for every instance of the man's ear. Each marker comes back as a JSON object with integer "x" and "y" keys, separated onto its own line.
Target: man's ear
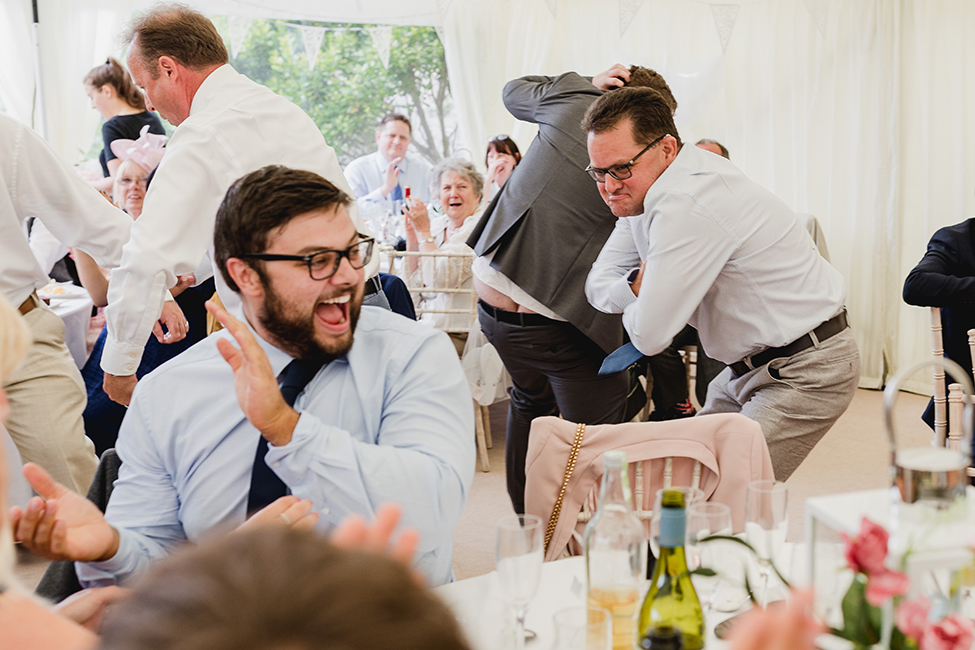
{"x": 168, "y": 66}
{"x": 247, "y": 279}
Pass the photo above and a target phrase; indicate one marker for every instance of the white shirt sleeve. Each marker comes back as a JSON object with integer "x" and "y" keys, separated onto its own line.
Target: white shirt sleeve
{"x": 606, "y": 287}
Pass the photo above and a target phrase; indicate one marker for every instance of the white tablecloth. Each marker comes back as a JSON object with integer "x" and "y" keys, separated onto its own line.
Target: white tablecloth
{"x": 477, "y": 604}
{"x": 73, "y": 305}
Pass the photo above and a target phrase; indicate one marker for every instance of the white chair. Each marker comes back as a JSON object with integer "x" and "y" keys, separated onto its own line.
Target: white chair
{"x": 442, "y": 289}
{"x": 940, "y": 394}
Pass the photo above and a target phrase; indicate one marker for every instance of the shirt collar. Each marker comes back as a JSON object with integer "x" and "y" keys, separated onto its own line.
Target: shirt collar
{"x": 382, "y": 163}
{"x": 210, "y": 89}
{"x": 686, "y": 162}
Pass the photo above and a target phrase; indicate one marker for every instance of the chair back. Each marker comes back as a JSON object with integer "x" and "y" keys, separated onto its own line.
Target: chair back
{"x": 441, "y": 284}
{"x": 940, "y": 392}
{"x": 720, "y": 454}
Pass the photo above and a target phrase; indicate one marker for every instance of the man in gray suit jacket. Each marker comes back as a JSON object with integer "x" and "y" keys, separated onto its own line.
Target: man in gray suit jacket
{"x": 536, "y": 244}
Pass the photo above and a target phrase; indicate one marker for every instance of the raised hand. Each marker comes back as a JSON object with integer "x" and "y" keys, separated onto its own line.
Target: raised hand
{"x": 392, "y": 175}
{"x": 614, "y": 77}
{"x": 353, "y": 532}
{"x": 61, "y": 524}
{"x": 254, "y": 381}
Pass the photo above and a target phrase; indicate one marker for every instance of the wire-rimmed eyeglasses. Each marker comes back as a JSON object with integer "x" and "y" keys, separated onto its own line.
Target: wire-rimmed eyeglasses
{"x": 325, "y": 263}
{"x": 623, "y": 171}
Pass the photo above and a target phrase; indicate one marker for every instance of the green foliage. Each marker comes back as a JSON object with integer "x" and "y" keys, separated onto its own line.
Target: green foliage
{"x": 349, "y": 90}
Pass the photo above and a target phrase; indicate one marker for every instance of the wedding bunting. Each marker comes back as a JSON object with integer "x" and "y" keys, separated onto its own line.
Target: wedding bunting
{"x": 382, "y": 37}
{"x": 553, "y": 6}
{"x": 239, "y": 26}
{"x": 628, "y": 9}
{"x": 724, "y": 21}
{"x": 819, "y": 11}
{"x": 312, "y": 38}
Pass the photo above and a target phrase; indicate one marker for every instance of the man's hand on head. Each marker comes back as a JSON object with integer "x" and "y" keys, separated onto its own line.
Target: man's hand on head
{"x": 616, "y": 77}
{"x": 254, "y": 381}
{"x": 60, "y": 524}
{"x": 392, "y": 175}
{"x": 119, "y": 387}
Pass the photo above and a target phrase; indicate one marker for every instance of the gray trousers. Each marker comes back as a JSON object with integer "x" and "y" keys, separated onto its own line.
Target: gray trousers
{"x": 795, "y": 399}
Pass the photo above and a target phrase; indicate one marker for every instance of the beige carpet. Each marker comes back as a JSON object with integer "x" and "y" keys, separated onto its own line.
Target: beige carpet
{"x": 854, "y": 455}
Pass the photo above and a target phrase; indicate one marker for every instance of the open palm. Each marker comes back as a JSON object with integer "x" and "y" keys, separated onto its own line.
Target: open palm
{"x": 62, "y": 524}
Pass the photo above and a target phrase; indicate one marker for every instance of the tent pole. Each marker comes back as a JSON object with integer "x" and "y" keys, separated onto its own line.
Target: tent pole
{"x": 40, "y": 115}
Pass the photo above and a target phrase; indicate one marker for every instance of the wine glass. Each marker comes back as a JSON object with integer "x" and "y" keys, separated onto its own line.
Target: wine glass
{"x": 692, "y": 495}
{"x": 766, "y": 522}
{"x": 583, "y": 628}
{"x": 519, "y": 565}
{"x": 703, "y": 520}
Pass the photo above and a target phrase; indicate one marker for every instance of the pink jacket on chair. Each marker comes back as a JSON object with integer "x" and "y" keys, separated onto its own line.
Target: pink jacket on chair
{"x": 730, "y": 448}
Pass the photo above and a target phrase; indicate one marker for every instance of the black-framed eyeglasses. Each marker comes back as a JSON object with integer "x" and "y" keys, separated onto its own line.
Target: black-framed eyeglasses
{"x": 325, "y": 263}
{"x": 620, "y": 172}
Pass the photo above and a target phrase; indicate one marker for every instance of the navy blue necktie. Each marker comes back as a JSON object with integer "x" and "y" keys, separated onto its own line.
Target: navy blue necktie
{"x": 266, "y": 486}
{"x": 396, "y": 194}
{"x": 620, "y": 359}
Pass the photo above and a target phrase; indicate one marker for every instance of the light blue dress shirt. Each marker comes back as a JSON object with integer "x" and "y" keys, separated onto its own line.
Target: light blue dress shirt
{"x": 367, "y": 174}
{"x": 391, "y": 421}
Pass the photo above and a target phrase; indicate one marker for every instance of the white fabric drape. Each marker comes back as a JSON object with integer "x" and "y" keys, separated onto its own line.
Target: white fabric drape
{"x": 74, "y": 36}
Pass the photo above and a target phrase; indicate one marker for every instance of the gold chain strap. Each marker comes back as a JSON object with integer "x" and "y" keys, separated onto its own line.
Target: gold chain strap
{"x": 569, "y": 468}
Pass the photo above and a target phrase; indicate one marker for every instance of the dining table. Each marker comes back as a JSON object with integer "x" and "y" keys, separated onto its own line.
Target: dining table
{"x": 73, "y": 306}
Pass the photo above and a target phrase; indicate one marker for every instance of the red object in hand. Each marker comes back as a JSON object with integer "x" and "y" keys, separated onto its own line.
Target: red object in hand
{"x": 406, "y": 192}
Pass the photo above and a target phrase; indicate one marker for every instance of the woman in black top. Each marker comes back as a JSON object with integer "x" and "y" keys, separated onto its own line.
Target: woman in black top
{"x": 122, "y": 105}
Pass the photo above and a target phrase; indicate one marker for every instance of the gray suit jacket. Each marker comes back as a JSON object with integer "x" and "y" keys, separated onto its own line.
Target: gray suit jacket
{"x": 548, "y": 223}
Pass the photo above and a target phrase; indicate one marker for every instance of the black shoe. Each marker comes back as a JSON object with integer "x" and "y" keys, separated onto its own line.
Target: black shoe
{"x": 680, "y": 410}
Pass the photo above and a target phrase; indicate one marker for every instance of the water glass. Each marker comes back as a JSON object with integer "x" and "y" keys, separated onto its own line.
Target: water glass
{"x": 766, "y": 523}
{"x": 519, "y": 565}
{"x": 705, "y": 519}
{"x": 583, "y": 628}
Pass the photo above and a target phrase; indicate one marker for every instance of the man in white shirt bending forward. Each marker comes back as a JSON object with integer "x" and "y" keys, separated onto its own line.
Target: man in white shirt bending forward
{"x": 697, "y": 242}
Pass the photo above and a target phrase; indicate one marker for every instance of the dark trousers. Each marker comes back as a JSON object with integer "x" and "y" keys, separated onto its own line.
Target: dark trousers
{"x": 554, "y": 370}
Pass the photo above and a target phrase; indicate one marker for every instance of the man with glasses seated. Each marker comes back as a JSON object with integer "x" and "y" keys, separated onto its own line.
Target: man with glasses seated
{"x": 312, "y": 394}
{"x": 697, "y": 242}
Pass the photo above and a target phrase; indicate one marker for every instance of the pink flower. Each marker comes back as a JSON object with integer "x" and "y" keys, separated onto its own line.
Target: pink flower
{"x": 951, "y": 633}
{"x": 884, "y": 584}
{"x": 912, "y": 616}
{"x": 867, "y": 552}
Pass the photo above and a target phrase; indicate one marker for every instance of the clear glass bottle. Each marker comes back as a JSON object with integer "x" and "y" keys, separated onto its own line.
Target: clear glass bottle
{"x": 671, "y": 599}
{"x": 616, "y": 552}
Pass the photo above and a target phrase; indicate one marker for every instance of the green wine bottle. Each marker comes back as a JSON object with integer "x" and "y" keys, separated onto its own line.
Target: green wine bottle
{"x": 671, "y": 599}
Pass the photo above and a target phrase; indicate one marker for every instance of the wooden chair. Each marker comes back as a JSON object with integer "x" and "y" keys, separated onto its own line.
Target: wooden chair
{"x": 436, "y": 280}
{"x": 940, "y": 395}
{"x": 956, "y": 395}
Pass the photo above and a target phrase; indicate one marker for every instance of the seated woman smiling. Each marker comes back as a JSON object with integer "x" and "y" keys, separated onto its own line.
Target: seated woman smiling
{"x": 460, "y": 188}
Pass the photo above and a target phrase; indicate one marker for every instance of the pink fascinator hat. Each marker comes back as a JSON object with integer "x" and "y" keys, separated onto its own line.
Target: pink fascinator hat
{"x": 147, "y": 151}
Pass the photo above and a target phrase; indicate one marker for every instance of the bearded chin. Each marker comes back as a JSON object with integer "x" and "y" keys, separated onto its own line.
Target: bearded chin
{"x": 295, "y": 334}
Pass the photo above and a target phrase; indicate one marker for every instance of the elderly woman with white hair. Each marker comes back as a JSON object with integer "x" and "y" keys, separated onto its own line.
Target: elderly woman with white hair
{"x": 460, "y": 188}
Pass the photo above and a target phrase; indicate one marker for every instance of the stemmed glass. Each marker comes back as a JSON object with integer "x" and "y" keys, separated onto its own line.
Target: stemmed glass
{"x": 519, "y": 565}
{"x": 703, "y": 520}
{"x": 766, "y": 522}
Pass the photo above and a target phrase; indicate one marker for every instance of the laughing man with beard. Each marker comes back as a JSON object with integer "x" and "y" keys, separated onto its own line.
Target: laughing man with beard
{"x": 383, "y": 411}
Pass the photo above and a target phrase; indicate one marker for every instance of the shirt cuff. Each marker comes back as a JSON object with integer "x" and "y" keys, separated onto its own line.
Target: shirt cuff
{"x": 121, "y": 359}
{"x": 112, "y": 571}
{"x": 621, "y": 294}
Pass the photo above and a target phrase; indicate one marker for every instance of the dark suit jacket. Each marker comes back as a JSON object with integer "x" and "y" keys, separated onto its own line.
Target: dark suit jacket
{"x": 548, "y": 223}
{"x": 945, "y": 277}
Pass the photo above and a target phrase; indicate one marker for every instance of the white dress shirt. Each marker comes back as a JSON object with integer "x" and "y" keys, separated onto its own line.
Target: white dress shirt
{"x": 235, "y": 127}
{"x": 723, "y": 254}
{"x": 390, "y": 421}
{"x": 367, "y": 174}
{"x": 35, "y": 182}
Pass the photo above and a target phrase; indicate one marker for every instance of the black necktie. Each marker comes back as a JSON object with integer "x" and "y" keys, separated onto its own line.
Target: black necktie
{"x": 266, "y": 487}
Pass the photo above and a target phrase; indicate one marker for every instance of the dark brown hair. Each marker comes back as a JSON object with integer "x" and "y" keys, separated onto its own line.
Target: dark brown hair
{"x": 176, "y": 31}
{"x": 395, "y": 117}
{"x": 647, "y": 110}
{"x": 277, "y": 587}
{"x": 503, "y": 144}
{"x": 264, "y": 201}
{"x": 641, "y": 77}
{"x": 111, "y": 73}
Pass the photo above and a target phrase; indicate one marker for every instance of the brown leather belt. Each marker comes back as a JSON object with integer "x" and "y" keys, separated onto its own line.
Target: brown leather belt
{"x": 28, "y": 305}
{"x": 832, "y": 327}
